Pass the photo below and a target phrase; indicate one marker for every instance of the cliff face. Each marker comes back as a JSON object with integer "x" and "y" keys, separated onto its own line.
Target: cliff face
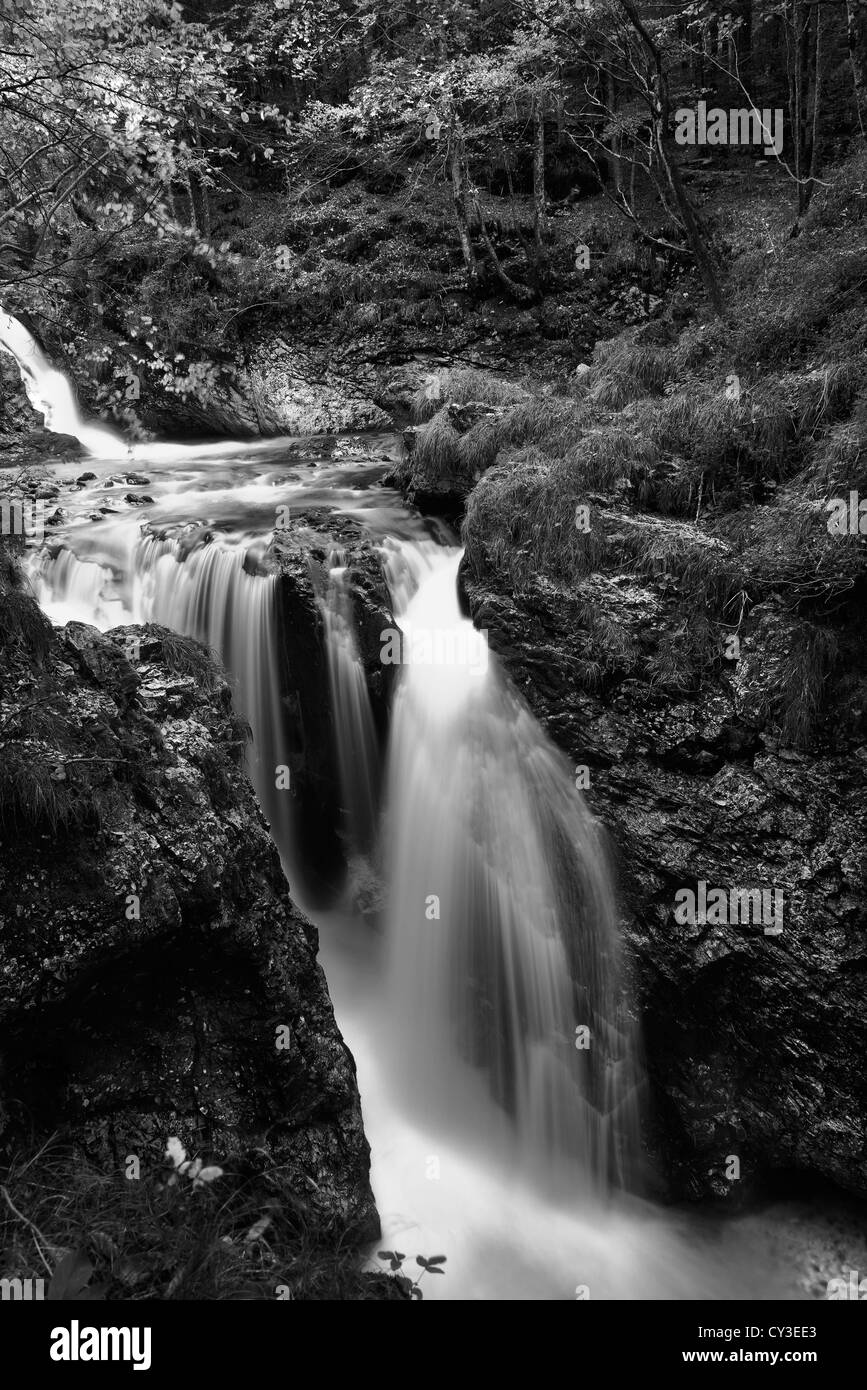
{"x": 156, "y": 978}
{"x": 754, "y": 1042}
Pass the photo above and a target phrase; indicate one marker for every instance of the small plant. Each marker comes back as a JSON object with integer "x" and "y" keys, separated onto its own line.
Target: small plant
{"x": 429, "y": 1265}
{"x": 190, "y": 1168}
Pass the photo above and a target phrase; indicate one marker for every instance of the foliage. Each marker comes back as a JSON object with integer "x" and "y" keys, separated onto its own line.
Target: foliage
{"x": 428, "y": 1265}
{"x": 97, "y": 1234}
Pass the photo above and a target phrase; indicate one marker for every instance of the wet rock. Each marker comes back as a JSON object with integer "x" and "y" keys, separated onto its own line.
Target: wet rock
{"x": 301, "y": 556}
{"x": 754, "y": 1042}
{"x": 102, "y": 661}
{"x": 151, "y": 957}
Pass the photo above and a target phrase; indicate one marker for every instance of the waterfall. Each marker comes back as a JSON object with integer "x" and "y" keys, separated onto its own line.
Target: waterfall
{"x": 357, "y": 746}
{"x": 201, "y": 589}
{"x": 503, "y": 946}
{"x": 50, "y": 393}
{"x": 497, "y": 1059}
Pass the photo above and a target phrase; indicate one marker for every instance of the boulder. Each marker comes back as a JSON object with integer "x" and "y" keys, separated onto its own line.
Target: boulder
{"x": 156, "y": 978}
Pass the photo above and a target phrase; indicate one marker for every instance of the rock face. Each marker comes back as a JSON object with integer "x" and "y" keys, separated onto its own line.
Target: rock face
{"x": 755, "y": 1042}
{"x": 273, "y": 389}
{"x": 22, "y": 434}
{"x": 156, "y": 978}
{"x": 301, "y": 556}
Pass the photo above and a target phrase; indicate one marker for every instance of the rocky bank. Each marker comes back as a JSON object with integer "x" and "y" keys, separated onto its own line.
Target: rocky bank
{"x": 156, "y": 978}
{"x": 754, "y": 1043}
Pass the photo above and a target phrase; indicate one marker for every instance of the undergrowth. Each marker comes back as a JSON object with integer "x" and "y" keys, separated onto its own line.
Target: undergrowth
{"x": 145, "y": 1237}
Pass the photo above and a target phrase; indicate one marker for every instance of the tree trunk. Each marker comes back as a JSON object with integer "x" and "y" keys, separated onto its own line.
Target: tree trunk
{"x": 815, "y": 135}
{"x": 806, "y": 37}
{"x": 856, "y": 27}
{"x": 204, "y": 208}
{"x": 194, "y": 222}
{"x": 743, "y": 10}
{"x": 611, "y": 103}
{"x": 660, "y": 105}
{"x": 539, "y": 220}
{"x": 459, "y": 202}
{"x": 520, "y": 292}
{"x": 798, "y": 92}
{"x": 695, "y": 232}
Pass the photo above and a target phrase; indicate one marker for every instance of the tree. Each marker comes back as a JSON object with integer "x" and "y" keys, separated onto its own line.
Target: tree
{"x": 856, "y": 26}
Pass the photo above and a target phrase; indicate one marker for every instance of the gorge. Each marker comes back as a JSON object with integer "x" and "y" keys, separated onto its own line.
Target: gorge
{"x": 508, "y": 1023}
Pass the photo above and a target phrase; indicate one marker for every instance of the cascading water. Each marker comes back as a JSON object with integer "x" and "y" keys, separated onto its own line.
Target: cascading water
{"x": 495, "y": 1053}
{"x": 50, "y": 393}
{"x": 200, "y": 589}
{"x": 357, "y": 749}
{"x": 501, "y": 925}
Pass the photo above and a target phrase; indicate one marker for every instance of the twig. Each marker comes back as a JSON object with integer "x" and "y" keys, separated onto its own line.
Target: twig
{"x": 28, "y": 1222}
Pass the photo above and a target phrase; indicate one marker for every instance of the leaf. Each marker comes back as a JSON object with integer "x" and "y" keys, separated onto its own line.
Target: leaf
{"x": 385, "y": 1254}
{"x": 257, "y": 1230}
{"x": 416, "y": 1292}
{"x": 436, "y": 1259}
{"x": 70, "y": 1277}
{"x": 207, "y": 1175}
{"x": 176, "y": 1151}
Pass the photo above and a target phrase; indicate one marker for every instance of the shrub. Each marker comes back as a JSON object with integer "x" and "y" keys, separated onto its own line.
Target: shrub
{"x": 434, "y": 457}
{"x": 521, "y": 519}
{"x": 458, "y": 386}
{"x": 624, "y": 370}
{"x": 799, "y": 698}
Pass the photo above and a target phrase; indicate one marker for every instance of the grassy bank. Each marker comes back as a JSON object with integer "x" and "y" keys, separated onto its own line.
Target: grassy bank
{"x": 698, "y": 457}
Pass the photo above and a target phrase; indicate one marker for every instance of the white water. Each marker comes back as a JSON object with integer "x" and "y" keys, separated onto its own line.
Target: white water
{"x": 495, "y": 1140}
{"x": 355, "y": 732}
{"x": 50, "y": 393}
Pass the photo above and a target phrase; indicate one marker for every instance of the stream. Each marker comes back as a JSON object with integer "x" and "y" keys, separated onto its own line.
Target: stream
{"x": 499, "y": 1063}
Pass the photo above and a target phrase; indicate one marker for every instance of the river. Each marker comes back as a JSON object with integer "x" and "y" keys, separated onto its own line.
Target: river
{"x": 498, "y": 1057}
